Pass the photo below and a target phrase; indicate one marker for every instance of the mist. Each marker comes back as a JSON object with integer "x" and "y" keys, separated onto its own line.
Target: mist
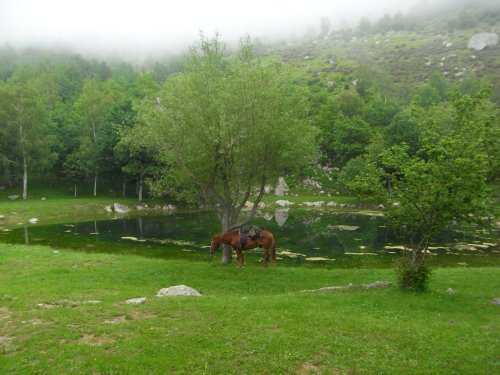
{"x": 134, "y": 29}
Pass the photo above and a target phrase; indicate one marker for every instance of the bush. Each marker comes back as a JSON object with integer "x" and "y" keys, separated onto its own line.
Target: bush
{"x": 411, "y": 277}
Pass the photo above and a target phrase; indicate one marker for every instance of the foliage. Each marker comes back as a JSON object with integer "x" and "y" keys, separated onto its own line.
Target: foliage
{"x": 445, "y": 182}
{"x": 228, "y": 126}
{"x": 411, "y": 277}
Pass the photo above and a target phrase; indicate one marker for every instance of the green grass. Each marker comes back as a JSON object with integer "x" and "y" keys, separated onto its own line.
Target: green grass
{"x": 249, "y": 321}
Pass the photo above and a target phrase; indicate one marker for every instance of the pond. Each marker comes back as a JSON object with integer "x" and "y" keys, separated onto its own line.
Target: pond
{"x": 335, "y": 238}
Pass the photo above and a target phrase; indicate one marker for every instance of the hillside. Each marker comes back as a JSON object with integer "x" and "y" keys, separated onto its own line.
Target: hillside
{"x": 405, "y": 56}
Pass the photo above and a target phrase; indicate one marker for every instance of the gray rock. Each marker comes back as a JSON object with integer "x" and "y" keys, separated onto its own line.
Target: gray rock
{"x": 495, "y": 301}
{"x": 178, "y": 290}
{"x": 282, "y": 188}
{"x": 33, "y": 220}
{"x": 451, "y": 291}
{"x": 13, "y": 197}
{"x": 135, "y": 301}
{"x": 120, "y": 208}
{"x": 108, "y": 208}
{"x": 480, "y": 41}
{"x": 332, "y": 204}
{"x": 283, "y": 203}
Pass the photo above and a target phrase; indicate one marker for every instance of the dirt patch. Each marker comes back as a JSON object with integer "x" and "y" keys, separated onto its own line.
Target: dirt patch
{"x": 95, "y": 340}
{"x": 142, "y": 315}
{"x": 4, "y": 313}
{"x": 117, "y": 320}
{"x": 6, "y": 345}
{"x": 310, "y": 368}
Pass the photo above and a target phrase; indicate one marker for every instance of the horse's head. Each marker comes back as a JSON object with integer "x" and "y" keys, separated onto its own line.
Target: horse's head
{"x": 214, "y": 245}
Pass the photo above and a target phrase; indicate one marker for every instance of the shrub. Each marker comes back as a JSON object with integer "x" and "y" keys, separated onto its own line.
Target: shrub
{"x": 411, "y": 277}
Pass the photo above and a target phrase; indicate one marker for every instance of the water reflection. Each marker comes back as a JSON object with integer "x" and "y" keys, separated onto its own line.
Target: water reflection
{"x": 314, "y": 233}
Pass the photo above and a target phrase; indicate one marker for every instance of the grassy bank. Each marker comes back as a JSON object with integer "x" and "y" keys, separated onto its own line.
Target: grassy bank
{"x": 252, "y": 320}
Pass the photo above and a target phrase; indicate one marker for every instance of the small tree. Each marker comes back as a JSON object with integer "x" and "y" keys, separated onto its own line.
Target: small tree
{"x": 443, "y": 183}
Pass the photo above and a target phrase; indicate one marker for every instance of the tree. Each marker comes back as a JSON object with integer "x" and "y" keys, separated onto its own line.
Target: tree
{"x": 446, "y": 181}
{"x": 24, "y": 101}
{"x": 226, "y": 126}
{"x": 93, "y": 105}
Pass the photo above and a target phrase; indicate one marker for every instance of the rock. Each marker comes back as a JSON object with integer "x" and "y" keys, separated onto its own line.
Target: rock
{"x": 169, "y": 207}
{"x": 451, "y": 291}
{"x": 318, "y": 204}
{"x": 377, "y": 285}
{"x": 311, "y": 183}
{"x": 120, "y": 208}
{"x": 480, "y": 41}
{"x": 331, "y": 204}
{"x": 282, "y": 188}
{"x": 44, "y": 199}
{"x": 268, "y": 189}
{"x": 495, "y": 301}
{"x": 2, "y": 217}
{"x": 13, "y": 197}
{"x": 135, "y": 301}
{"x": 178, "y": 290}
{"x": 108, "y": 209}
{"x": 283, "y": 203}
{"x": 140, "y": 208}
{"x": 33, "y": 220}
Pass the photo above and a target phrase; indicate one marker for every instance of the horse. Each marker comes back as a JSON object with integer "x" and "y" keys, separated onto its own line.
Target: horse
{"x": 233, "y": 239}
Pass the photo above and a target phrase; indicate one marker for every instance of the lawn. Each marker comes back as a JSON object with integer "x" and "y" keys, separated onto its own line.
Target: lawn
{"x": 249, "y": 321}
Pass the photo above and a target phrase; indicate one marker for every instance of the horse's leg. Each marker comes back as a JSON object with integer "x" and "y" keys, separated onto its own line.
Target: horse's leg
{"x": 266, "y": 256}
{"x": 239, "y": 256}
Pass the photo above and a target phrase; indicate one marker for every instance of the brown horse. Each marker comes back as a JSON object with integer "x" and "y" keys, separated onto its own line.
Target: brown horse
{"x": 232, "y": 238}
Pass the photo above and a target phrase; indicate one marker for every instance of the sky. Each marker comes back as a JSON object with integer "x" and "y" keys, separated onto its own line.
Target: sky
{"x": 124, "y": 26}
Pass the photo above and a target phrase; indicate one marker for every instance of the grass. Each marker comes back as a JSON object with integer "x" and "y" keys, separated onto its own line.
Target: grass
{"x": 249, "y": 321}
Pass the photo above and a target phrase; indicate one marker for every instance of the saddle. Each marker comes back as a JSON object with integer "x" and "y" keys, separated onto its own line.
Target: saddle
{"x": 251, "y": 232}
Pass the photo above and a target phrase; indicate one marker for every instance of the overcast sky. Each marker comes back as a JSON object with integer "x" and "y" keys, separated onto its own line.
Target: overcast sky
{"x": 142, "y": 25}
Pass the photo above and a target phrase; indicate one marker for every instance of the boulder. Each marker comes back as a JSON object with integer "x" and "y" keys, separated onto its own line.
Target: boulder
{"x": 283, "y": 203}
{"x": 120, "y": 208}
{"x": 495, "y": 301}
{"x": 480, "y": 41}
{"x": 332, "y": 204}
{"x": 33, "y": 220}
{"x": 13, "y": 197}
{"x": 282, "y": 188}
{"x": 108, "y": 208}
{"x": 178, "y": 290}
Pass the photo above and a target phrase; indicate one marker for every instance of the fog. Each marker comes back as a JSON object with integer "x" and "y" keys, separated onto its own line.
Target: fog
{"x": 140, "y": 27}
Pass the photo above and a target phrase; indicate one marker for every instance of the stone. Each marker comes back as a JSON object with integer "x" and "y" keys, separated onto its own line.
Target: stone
{"x": 33, "y": 220}
{"x": 451, "y": 291}
{"x": 120, "y": 208}
{"x": 135, "y": 301}
{"x": 331, "y": 204}
{"x": 108, "y": 208}
{"x": 178, "y": 290}
{"x": 283, "y": 203}
{"x": 480, "y": 41}
{"x": 169, "y": 207}
{"x": 495, "y": 301}
{"x": 281, "y": 188}
{"x": 13, "y": 197}
{"x": 2, "y": 217}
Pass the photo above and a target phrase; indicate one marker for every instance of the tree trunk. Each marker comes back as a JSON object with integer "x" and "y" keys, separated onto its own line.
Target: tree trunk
{"x": 139, "y": 193}
{"x": 25, "y": 178}
{"x": 95, "y": 185}
{"x": 227, "y": 251}
{"x": 124, "y": 188}
{"x": 75, "y": 190}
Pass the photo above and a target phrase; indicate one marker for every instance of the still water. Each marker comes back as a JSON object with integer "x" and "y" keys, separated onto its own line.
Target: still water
{"x": 344, "y": 239}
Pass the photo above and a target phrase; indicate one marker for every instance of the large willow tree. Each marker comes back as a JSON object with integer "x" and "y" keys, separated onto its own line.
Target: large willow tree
{"x": 225, "y": 127}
